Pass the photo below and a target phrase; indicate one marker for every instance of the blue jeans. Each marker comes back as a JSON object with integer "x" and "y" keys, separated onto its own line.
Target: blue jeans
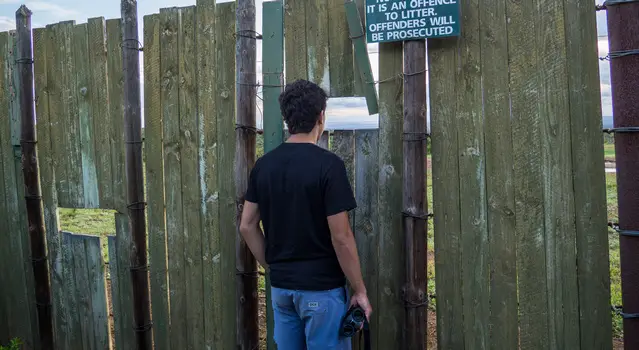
{"x": 309, "y": 319}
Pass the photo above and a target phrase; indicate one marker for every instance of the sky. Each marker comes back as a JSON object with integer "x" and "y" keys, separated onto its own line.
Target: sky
{"x": 342, "y": 112}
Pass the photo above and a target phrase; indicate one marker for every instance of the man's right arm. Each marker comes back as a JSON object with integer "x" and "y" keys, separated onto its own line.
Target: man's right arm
{"x": 346, "y": 250}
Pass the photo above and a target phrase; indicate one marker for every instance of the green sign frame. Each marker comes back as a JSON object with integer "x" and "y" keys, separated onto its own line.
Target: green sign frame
{"x": 401, "y": 20}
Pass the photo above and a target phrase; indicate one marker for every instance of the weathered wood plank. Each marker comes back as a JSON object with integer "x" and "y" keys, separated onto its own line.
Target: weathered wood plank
{"x": 99, "y": 103}
{"x": 442, "y": 63}
{"x": 344, "y": 146}
{"x": 359, "y": 86}
{"x": 58, "y": 112}
{"x": 70, "y": 126}
{"x": 340, "y": 52}
{"x": 588, "y": 176}
{"x": 189, "y": 142}
{"x": 273, "y": 72}
{"x": 529, "y": 200}
{"x": 499, "y": 177}
{"x": 391, "y": 273}
{"x": 323, "y": 141}
{"x": 114, "y": 265}
{"x": 69, "y": 285}
{"x": 43, "y": 41}
{"x": 561, "y": 274}
{"x": 14, "y": 91}
{"x": 366, "y": 224}
{"x": 5, "y": 265}
{"x": 295, "y": 40}
{"x": 84, "y": 94}
{"x": 362, "y": 61}
{"x": 474, "y": 230}
{"x": 170, "y": 19}
{"x": 116, "y": 111}
{"x": 155, "y": 182}
{"x": 317, "y": 43}
{"x": 125, "y": 288}
{"x": 97, "y": 292}
{"x": 208, "y": 168}
{"x": 82, "y": 291}
{"x": 225, "y": 107}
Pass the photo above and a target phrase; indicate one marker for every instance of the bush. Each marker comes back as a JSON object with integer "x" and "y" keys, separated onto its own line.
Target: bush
{"x": 15, "y": 344}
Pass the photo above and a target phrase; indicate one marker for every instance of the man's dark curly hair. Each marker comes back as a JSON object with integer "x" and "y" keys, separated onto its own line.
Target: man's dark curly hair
{"x": 301, "y": 104}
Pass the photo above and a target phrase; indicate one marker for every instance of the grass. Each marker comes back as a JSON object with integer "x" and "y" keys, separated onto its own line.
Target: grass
{"x": 102, "y": 223}
{"x": 609, "y": 152}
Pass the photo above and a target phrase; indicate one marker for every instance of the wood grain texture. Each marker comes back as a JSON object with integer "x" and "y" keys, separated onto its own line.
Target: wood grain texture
{"x": 155, "y": 181}
{"x": 359, "y": 85}
{"x": 560, "y": 240}
{"x": 116, "y": 112}
{"x": 340, "y": 52}
{"x": 362, "y": 60}
{"x": 442, "y": 63}
{"x": 499, "y": 177}
{"x": 295, "y": 40}
{"x": 5, "y": 266}
{"x": 68, "y": 266}
{"x": 170, "y": 70}
{"x": 366, "y": 219}
{"x": 81, "y": 274}
{"x": 99, "y": 102}
{"x": 390, "y": 311}
{"x": 588, "y": 176}
{"x": 86, "y": 102}
{"x": 317, "y": 50}
{"x": 97, "y": 292}
{"x": 114, "y": 265}
{"x": 208, "y": 169}
{"x": 189, "y": 142}
{"x": 323, "y": 141}
{"x": 125, "y": 288}
{"x": 225, "y": 84}
{"x": 344, "y": 146}
{"x": 528, "y": 180}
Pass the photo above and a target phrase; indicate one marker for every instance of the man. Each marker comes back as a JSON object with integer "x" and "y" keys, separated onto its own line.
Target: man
{"x": 302, "y": 195}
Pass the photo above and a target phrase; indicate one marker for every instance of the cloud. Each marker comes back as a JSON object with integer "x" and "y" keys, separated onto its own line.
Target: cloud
{"x": 54, "y": 10}
{"x": 7, "y": 23}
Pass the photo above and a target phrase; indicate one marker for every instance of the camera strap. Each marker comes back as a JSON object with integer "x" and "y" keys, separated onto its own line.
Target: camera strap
{"x": 367, "y": 335}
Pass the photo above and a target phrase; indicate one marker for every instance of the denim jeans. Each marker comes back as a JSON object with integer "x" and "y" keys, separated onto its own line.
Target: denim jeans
{"x": 309, "y": 319}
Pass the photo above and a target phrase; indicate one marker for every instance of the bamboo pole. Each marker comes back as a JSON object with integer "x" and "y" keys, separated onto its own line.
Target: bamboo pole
{"x": 33, "y": 195}
{"x": 134, "y": 173}
{"x": 246, "y": 266}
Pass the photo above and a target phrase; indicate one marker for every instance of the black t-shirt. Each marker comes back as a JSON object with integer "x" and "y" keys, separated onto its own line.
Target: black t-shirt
{"x": 296, "y": 187}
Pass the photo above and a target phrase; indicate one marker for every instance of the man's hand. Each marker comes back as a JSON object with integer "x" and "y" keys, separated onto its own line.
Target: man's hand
{"x": 361, "y": 300}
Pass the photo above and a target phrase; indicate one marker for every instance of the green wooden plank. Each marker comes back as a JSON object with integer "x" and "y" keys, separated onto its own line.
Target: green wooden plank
{"x": 588, "y": 176}
{"x": 295, "y": 40}
{"x": 499, "y": 178}
{"x": 225, "y": 84}
{"x": 97, "y": 291}
{"x": 84, "y": 93}
{"x": 189, "y": 156}
{"x": 173, "y": 177}
{"x": 155, "y": 182}
{"x": 207, "y": 124}
{"x": 70, "y": 121}
{"x": 69, "y": 286}
{"x": 366, "y": 224}
{"x": 116, "y": 112}
{"x": 361, "y": 56}
{"x": 472, "y": 184}
{"x": 390, "y": 309}
{"x": 528, "y": 182}
{"x": 340, "y": 51}
{"x": 446, "y": 201}
{"x": 5, "y": 265}
{"x": 57, "y": 114}
{"x": 43, "y": 41}
{"x": 125, "y": 289}
{"x": 317, "y": 43}
{"x": 116, "y": 304}
{"x": 359, "y": 85}
{"x": 83, "y": 295}
{"x": 19, "y": 317}
{"x": 561, "y": 274}
{"x": 99, "y": 103}
{"x": 273, "y": 71}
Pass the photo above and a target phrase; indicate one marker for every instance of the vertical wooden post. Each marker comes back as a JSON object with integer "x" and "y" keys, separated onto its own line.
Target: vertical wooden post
{"x": 623, "y": 34}
{"x": 246, "y": 266}
{"x": 32, "y": 178}
{"x": 414, "y": 189}
{"x": 134, "y": 173}
{"x": 273, "y": 72}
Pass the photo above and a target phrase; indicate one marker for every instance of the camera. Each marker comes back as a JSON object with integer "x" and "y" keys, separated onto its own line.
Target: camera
{"x": 352, "y": 322}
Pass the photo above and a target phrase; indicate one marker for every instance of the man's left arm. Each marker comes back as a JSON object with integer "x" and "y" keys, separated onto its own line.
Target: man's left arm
{"x": 252, "y": 232}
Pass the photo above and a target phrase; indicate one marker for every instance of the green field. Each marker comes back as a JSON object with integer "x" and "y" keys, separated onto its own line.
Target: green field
{"x": 609, "y": 151}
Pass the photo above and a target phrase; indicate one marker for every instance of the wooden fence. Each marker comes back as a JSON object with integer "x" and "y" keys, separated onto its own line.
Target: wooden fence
{"x": 519, "y": 202}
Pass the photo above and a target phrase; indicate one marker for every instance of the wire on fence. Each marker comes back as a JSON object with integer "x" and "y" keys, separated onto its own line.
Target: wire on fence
{"x": 617, "y": 54}
{"x": 400, "y": 76}
{"x": 255, "y": 35}
{"x": 630, "y": 233}
{"x": 619, "y": 311}
{"x": 139, "y": 48}
{"x": 139, "y": 268}
{"x": 141, "y": 329}
{"x": 249, "y": 129}
{"x": 24, "y": 60}
{"x": 253, "y": 274}
{"x": 137, "y": 206}
{"x": 415, "y": 216}
{"x": 625, "y": 129}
